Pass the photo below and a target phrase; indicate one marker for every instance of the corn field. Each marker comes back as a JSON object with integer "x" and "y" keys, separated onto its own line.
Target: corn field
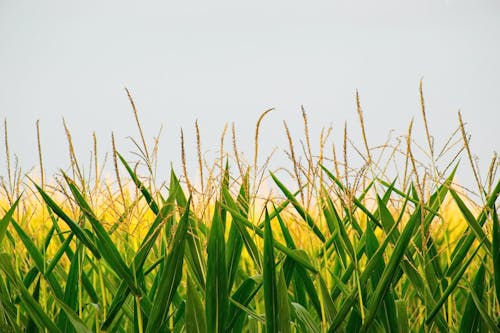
{"x": 326, "y": 249}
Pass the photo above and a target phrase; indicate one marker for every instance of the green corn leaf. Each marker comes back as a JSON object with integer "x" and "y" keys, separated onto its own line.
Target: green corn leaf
{"x": 31, "y": 326}
{"x": 283, "y": 305}
{"x": 4, "y": 222}
{"x": 8, "y": 320}
{"x": 387, "y": 311}
{"x": 328, "y": 304}
{"x": 79, "y": 233}
{"x": 471, "y": 220}
{"x": 490, "y": 322}
{"x": 240, "y": 299}
{"x": 195, "y": 316}
{"x": 149, "y": 198}
{"x": 216, "y": 284}
{"x": 235, "y": 240}
{"x": 194, "y": 255}
{"x": 138, "y": 262}
{"x": 37, "y": 258}
{"x": 388, "y": 274}
{"x": 237, "y": 215}
{"x": 403, "y": 323}
{"x": 300, "y": 274}
{"x": 176, "y": 189}
{"x": 463, "y": 247}
{"x": 451, "y": 287}
{"x": 35, "y": 311}
{"x": 496, "y": 250}
{"x": 306, "y": 322}
{"x": 55, "y": 260}
{"x": 270, "y": 283}
{"x": 356, "y": 201}
{"x": 301, "y": 260}
{"x": 70, "y": 293}
{"x": 345, "y": 240}
{"x": 170, "y": 276}
{"x": 308, "y": 285}
{"x": 386, "y": 218}
{"x": 355, "y": 321}
{"x": 233, "y": 253}
{"x": 78, "y": 325}
{"x": 106, "y": 246}
{"x": 298, "y": 207}
{"x": 471, "y": 319}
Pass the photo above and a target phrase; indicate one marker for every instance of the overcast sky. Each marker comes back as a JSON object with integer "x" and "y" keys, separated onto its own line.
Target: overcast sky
{"x": 225, "y": 61}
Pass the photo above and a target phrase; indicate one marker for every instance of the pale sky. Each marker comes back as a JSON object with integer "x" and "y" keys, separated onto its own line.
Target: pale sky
{"x": 225, "y": 61}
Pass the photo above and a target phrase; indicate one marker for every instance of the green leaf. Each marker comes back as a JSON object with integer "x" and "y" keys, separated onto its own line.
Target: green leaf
{"x": 35, "y": 311}
{"x": 31, "y": 326}
{"x": 496, "y": 250}
{"x": 37, "y": 257}
{"x": 4, "y": 222}
{"x": 306, "y": 322}
{"x": 216, "y": 284}
{"x": 328, "y": 304}
{"x": 270, "y": 283}
{"x": 241, "y": 222}
{"x": 387, "y": 311}
{"x": 298, "y": 207}
{"x": 70, "y": 293}
{"x": 63, "y": 249}
{"x": 140, "y": 258}
{"x": 79, "y": 233}
{"x": 386, "y": 279}
{"x": 301, "y": 260}
{"x": 471, "y": 319}
{"x": 233, "y": 253}
{"x": 476, "y": 228}
{"x": 241, "y": 298}
{"x": 490, "y": 322}
{"x": 194, "y": 254}
{"x": 401, "y": 306}
{"x": 451, "y": 287}
{"x": 149, "y": 198}
{"x": 302, "y": 279}
{"x": 235, "y": 240}
{"x": 106, "y": 246}
{"x": 195, "y": 317}
{"x": 306, "y": 281}
{"x": 462, "y": 249}
{"x": 356, "y": 201}
{"x": 345, "y": 240}
{"x": 170, "y": 276}
{"x": 77, "y": 324}
{"x": 283, "y": 304}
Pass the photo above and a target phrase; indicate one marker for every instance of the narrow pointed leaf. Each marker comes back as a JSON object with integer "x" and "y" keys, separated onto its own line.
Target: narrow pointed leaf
{"x": 170, "y": 277}
{"x": 79, "y": 233}
{"x": 496, "y": 251}
{"x": 298, "y": 207}
{"x": 270, "y": 283}
{"x": 216, "y": 284}
{"x": 149, "y": 198}
{"x": 106, "y": 246}
{"x": 4, "y": 222}
{"x": 471, "y": 319}
{"x": 195, "y": 316}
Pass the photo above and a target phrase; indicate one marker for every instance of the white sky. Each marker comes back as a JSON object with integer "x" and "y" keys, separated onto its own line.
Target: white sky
{"x": 225, "y": 61}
